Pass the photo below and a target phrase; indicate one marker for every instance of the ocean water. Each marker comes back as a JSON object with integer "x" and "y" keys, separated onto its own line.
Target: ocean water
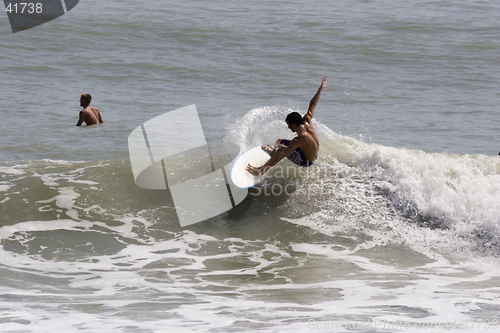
{"x": 396, "y": 227}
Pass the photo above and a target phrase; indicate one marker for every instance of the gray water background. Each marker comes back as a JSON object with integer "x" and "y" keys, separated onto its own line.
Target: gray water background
{"x": 417, "y": 74}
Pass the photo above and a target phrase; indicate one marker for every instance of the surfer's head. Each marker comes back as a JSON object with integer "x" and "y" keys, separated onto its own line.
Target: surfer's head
{"x": 295, "y": 118}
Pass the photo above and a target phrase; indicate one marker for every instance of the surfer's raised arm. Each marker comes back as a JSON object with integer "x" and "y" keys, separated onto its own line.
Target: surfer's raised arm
{"x": 314, "y": 101}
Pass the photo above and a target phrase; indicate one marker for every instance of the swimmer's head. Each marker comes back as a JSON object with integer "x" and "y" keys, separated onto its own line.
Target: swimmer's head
{"x": 86, "y": 97}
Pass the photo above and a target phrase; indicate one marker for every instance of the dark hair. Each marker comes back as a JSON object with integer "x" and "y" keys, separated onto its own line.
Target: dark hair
{"x": 87, "y": 97}
{"x": 295, "y": 118}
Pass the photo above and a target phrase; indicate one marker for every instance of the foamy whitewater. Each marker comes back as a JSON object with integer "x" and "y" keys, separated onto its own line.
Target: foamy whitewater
{"x": 395, "y": 228}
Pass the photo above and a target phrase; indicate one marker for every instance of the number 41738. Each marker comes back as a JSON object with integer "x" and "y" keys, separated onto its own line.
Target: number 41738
{"x": 24, "y": 7}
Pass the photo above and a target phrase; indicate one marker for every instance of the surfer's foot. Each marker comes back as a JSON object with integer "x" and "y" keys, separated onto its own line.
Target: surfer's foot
{"x": 253, "y": 170}
{"x": 267, "y": 149}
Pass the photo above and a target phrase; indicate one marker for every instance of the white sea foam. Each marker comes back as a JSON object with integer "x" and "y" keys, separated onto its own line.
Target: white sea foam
{"x": 15, "y": 170}
{"x": 5, "y": 187}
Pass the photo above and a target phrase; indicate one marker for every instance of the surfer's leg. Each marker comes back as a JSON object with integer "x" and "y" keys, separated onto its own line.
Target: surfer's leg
{"x": 296, "y": 156}
{"x": 283, "y": 142}
{"x": 277, "y": 145}
{"x": 268, "y": 149}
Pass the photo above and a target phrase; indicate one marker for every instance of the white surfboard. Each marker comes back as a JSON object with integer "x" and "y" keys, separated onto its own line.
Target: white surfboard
{"x": 239, "y": 175}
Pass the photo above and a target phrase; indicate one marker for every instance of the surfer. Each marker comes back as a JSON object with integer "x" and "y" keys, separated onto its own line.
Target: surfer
{"x": 303, "y": 149}
{"x": 90, "y": 115}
